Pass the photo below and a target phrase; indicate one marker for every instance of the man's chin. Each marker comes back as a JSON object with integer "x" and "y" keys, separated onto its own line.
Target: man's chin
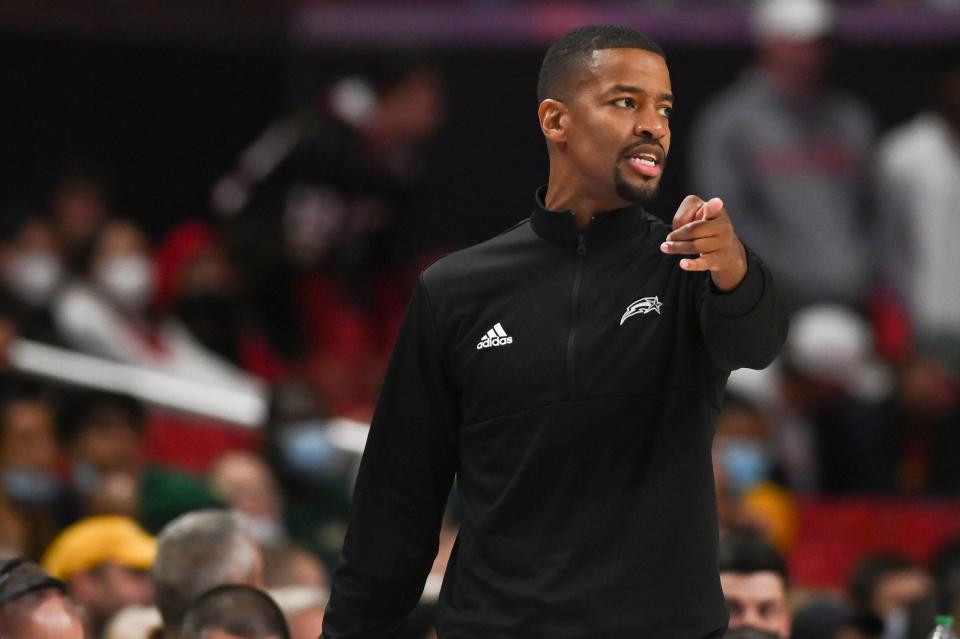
{"x": 636, "y": 193}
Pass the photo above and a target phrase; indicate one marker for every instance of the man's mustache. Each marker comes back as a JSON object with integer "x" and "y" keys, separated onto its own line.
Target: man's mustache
{"x": 749, "y": 632}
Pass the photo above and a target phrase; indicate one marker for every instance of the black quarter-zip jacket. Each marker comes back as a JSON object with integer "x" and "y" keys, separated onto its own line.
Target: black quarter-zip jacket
{"x": 570, "y": 381}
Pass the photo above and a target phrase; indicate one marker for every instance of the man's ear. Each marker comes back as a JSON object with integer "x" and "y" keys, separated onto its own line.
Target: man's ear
{"x": 554, "y": 118}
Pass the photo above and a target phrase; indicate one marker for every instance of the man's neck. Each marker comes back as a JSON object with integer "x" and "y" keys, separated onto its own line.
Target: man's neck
{"x": 583, "y": 205}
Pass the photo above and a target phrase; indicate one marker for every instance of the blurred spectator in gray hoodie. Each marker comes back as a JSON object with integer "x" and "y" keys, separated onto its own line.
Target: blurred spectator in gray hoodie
{"x": 790, "y": 156}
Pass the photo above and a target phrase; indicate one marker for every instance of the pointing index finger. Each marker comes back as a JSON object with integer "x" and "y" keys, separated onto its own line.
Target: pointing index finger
{"x": 712, "y": 208}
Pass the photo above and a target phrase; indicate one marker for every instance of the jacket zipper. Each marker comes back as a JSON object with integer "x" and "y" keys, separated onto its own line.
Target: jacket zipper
{"x": 575, "y": 311}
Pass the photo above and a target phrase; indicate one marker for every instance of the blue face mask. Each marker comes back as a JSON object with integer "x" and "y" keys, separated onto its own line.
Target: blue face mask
{"x": 307, "y": 451}
{"x": 86, "y": 478}
{"x": 745, "y": 462}
{"x": 29, "y": 486}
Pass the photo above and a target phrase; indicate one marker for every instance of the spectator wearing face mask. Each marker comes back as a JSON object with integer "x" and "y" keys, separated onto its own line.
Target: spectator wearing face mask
{"x": 31, "y": 271}
{"x": 746, "y": 470}
{"x": 109, "y": 312}
{"x": 888, "y": 586}
{"x": 79, "y": 206}
{"x": 247, "y": 485}
{"x": 34, "y": 504}
{"x": 104, "y": 438}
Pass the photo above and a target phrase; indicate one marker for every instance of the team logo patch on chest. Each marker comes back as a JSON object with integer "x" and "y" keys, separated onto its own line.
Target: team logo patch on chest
{"x": 642, "y": 306}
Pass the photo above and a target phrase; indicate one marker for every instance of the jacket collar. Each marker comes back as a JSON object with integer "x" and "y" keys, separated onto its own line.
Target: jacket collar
{"x": 560, "y": 226}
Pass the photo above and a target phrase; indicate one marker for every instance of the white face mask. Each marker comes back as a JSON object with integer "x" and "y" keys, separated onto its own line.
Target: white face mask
{"x": 127, "y": 280}
{"x": 33, "y": 276}
{"x": 267, "y": 532}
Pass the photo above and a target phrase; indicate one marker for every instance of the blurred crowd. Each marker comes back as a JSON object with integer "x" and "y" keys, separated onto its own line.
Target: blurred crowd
{"x": 117, "y": 513}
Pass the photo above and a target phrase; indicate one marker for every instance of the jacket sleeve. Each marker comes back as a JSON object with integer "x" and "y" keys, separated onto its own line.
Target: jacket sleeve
{"x": 745, "y": 327}
{"x": 402, "y": 486}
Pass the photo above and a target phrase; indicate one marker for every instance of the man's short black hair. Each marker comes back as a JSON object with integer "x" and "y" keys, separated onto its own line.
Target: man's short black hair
{"x": 746, "y": 553}
{"x": 236, "y": 609}
{"x": 573, "y": 50}
{"x": 80, "y": 409}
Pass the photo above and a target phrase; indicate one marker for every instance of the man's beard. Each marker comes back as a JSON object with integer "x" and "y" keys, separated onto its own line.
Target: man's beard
{"x": 638, "y": 195}
{"x": 749, "y": 632}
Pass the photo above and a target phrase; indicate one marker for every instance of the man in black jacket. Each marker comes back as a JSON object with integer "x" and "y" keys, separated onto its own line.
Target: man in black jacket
{"x": 568, "y": 373}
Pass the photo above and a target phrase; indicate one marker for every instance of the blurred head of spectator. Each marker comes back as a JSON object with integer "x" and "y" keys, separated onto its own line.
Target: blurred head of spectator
{"x": 78, "y": 208}
{"x": 33, "y": 604}
{"x": 196, "y": 552}
{"x": 409, "y": 104}
{"x": 29, "y": 451}
{"x": 234, "y": 612}
{"x": 103, "y": 434}
{"x": 34, "y": 504}
{"x": 829, "y": 355}
{"x": 742, "y": 445}
{"x": 197, "y": 282}
{"x": 294, "y": 566}
{"x": 105, "y": 562}
{"x": 120, "y": 267}
{"x": 303, "y": 608}
{"x": 247, "y": 485}
{"x": 887, "y": 586}
{"x": 831, "y": 618}
{"x": 30, "y": 263}
{"x": 755, "y": 584}
{"x": 791, "y": 38}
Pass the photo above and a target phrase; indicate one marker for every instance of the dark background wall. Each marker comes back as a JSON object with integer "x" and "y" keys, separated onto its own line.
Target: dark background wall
{"x": 165, "y": 120}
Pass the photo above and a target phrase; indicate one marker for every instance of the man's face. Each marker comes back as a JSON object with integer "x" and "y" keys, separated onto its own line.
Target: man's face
{"x": 618, "y": 132}
{"x": 109, "y": 587}
{"x": 757, "y": 600}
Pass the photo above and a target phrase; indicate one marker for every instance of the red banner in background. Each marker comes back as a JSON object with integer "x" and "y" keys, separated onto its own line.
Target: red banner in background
{"x": 835, "y": 534}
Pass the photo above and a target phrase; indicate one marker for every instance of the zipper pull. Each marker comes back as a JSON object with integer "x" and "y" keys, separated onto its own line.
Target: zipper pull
{"x": 581, "y": 244}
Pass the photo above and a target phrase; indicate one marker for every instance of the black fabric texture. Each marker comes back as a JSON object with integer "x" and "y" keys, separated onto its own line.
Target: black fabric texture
{"x": 581, "y": 447}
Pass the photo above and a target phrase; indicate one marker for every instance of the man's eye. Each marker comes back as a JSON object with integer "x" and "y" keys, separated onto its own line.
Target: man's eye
{"x": 666, "y": 111}
{"x": 627, "y": 103}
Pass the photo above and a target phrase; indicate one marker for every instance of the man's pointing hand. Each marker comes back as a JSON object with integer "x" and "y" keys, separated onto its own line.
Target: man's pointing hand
{"x": 704, "y": 229}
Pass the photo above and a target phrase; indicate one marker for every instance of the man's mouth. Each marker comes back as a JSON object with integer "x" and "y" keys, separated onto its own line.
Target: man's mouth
{"x": 647, "y": 161}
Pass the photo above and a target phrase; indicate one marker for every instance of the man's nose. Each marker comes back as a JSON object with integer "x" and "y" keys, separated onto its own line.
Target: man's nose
{"x": 650, "y": 124}
{"x": 752, "y": 617}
